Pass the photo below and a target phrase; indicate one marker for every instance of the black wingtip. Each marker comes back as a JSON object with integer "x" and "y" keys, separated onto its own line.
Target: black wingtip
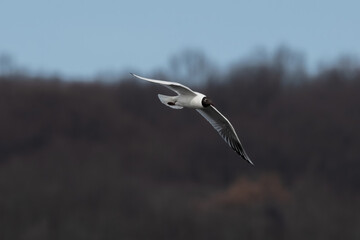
{"x": 249, "y": 161}
{"x": 245, "y": 157}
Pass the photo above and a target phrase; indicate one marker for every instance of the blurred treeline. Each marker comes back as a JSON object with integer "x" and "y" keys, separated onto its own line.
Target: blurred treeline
{"x": 108, "y": 161}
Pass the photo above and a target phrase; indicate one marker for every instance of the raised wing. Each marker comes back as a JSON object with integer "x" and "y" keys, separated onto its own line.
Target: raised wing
{"x": 225, "y": 129}
{"x": 174, "y": 86}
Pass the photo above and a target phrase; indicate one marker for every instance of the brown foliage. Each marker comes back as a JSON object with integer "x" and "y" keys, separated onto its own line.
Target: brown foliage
{"x": 267, "y": 188}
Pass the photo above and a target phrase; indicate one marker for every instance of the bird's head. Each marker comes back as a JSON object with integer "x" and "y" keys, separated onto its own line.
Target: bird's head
{"x": 206, "y": 102}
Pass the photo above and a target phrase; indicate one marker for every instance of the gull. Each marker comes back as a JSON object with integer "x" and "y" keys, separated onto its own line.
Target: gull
{"x": 188, "y": 98}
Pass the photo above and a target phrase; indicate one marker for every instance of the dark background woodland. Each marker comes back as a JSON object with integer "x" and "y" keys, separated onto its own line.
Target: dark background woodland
{"x": 106, "y": 160}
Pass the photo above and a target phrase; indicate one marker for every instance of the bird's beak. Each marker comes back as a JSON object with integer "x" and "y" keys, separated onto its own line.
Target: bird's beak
{"x": 211, "y": 103}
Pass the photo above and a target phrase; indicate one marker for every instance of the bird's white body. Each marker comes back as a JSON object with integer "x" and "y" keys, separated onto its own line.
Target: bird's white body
{"x": 180, "y": 101}
{"x": 198, "y": 101}
{"x": 192, "y": 102}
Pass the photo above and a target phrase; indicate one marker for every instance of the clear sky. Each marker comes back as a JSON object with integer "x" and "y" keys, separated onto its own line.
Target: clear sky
{"x": 82, "y": 38}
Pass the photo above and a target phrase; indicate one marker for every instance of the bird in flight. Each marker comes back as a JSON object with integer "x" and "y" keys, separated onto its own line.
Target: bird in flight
{"x": 188, "y": 98}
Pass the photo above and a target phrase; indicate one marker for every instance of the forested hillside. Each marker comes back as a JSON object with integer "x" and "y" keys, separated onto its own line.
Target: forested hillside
{"x": 108, "y": 161}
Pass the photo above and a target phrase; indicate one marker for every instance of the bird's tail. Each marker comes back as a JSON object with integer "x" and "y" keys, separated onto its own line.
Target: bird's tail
{"x": 169, "y": 101}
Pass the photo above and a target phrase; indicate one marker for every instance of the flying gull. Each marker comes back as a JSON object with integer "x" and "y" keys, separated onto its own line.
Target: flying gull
{"x": 188, "y": 98}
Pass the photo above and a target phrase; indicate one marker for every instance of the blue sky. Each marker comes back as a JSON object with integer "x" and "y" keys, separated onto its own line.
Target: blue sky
{"x": 82, "y": 38}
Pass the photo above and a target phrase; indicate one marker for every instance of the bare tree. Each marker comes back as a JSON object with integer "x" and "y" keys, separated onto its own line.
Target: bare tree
{"x": 6, "y": 64}
{"x": 191, "y": 66}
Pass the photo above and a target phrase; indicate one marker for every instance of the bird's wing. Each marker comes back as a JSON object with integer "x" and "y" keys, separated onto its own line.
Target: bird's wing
{"x": 225, "y": 129}
{"x": 176, "y": 87}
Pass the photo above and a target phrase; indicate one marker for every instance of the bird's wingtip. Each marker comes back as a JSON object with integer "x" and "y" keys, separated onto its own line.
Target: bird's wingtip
{"x": 246, "y": 158}
{"x": 136, "y": 76}
{"x": 249, "y": 161}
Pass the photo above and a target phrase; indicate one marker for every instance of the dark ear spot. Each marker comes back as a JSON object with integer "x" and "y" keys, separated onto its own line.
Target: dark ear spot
{"x": 171, "y": 103}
